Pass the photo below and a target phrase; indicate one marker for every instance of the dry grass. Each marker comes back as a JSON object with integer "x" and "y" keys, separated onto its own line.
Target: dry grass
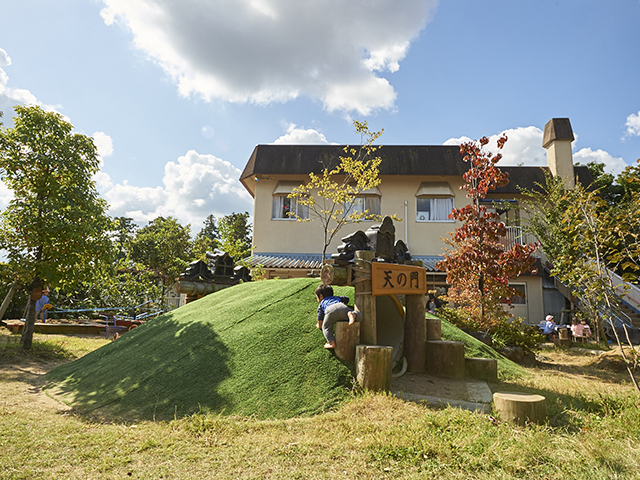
{"x": 593, "y": 431}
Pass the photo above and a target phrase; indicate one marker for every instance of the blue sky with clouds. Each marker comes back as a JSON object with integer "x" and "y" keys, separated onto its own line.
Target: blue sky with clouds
{"x": 177, "y": 94}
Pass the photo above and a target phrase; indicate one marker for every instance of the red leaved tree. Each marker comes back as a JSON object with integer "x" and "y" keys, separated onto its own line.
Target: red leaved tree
{"x": 478, "y": 265}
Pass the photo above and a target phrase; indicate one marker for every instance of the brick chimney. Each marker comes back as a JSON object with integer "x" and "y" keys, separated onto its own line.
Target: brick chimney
{"x": 557, "y": 140}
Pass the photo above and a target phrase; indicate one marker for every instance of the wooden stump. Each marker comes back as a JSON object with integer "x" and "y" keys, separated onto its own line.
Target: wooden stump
{"x": 482, "y": 368}
{"x": 415, "y": 333}
{"x": 520, "y": 408}
{"x": 445, "y": 359}
{"x": 347, "y": 337}
{"x": 434, "y": 329}
{"x": 373, "y": 367}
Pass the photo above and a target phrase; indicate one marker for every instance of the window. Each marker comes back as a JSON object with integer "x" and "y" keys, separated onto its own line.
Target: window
{"x": 281, "y": 204}
{"x": 520, "y": 297}
{"x": 367, "y": 202}
{"x": 434, "y": 202}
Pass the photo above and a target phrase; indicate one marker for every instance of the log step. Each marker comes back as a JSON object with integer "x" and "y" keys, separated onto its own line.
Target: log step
{"x": 482, "y": 368}
{"x": 520, "y": 408}
{"x": 445, "y": 358}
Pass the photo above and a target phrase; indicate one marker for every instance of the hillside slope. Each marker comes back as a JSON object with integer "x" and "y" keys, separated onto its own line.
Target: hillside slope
{"x": 252, "y": 349}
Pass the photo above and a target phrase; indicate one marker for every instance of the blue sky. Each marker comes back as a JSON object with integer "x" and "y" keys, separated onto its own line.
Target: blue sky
{"x": 177, "y": 94}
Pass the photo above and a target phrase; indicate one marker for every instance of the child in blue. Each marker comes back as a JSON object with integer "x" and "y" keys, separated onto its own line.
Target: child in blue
{"x": 332, "y": 309}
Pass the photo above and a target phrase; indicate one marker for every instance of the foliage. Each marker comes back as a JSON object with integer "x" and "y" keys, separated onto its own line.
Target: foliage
{"x": 55, "y": 228}
{"x": 581, "y": 240}
{"x": 477, "y": 263}
{"x": 235, "y": 235}
{"x": 124, "y": 231}
{"x": 207, "y": 240}
{"x": 331, "y": 196}
{"x": 163, "y": 247}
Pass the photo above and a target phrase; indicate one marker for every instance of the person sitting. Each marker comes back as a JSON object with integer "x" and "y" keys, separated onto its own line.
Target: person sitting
{"x": 577, "y": 330}
{"x": 43, "y": 305}
{"x": 549, "y": 328}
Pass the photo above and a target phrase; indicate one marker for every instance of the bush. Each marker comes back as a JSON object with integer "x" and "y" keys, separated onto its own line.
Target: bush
{"x": 503, "y": 331}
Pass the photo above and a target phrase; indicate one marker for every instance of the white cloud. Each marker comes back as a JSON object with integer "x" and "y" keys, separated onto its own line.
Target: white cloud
{"x": 10, "y": 97}
{"x": 5, "y": 60}
{"x": 612, "y": 164}
{"x": 264, "y": 51}
{"x": 523, "y": 147}
{"x": 633, "y": 124}
{"x": 195, "y": 186}
{"x": 296, "y": 136}
{"x": 103, "y": 143}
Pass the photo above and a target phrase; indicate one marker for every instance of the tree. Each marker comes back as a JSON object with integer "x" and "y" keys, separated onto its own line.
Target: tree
{"x": 207, "y": 239}
{"x": 164, "y": 247}
{"x": 580, "y": 239}
{"x": 235, "y": 235}
{"x": 331, "y": 196}
{"x": 55, "y": 229}
{"x": 478, "y": 265}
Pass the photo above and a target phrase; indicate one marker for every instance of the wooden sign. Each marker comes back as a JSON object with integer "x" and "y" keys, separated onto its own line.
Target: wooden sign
{"x": 393, "y": 279}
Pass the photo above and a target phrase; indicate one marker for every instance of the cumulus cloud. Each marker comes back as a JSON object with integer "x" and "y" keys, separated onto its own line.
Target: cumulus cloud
{"x": 523, "y": 147}
{"x": 614, "y": 165}
{"x": 633, "y": 124}
{"x": 264, "y": 51}
{"x": 194, "y": 187}
{"x": 296, "y": 135}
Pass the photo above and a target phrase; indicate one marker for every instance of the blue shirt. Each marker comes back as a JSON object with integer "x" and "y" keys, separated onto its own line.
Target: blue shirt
{"x": 326, "y": 301}
{"x": 41, "y": 303}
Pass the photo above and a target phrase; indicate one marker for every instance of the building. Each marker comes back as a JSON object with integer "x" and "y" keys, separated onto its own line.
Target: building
{"x": 420, "y": 184}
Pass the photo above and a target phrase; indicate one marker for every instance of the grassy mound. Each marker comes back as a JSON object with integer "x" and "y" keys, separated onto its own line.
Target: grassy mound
{"x": 473, "y": 347}
{"x": 252, "y": 349}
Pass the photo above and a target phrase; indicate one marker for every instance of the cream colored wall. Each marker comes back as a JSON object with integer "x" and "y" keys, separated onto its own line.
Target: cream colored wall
{"x": 533, "y": 311}
{"x": 288, "y": 236}
{"x": 560, "y": 160}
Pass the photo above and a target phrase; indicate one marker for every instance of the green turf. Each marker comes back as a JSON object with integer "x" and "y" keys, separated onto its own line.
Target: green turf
{"x": 252, "y": 349}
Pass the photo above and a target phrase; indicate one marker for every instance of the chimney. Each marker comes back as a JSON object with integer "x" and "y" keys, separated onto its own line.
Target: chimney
{"x": 557, "y": 140}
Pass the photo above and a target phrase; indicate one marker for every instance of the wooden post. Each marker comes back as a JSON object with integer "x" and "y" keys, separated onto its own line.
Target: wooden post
{"x": 520, "y": 408}
{"x": 364, "y": 299}
{"x": 373, "y": 367}
{"x": 347, "y": 337}
{"x": 434, "y": 329}
{"x": 415, "y": 337}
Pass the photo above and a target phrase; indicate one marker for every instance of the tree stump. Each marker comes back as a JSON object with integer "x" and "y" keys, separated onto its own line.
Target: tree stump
{"x": 482, "y": 368}
{"x": 373, "y": 367}
{"x": 520, "y": 408}
{"x": 434, "y": 329}
{"x": 445, "y": 359}
{"x": 347, "y": 337}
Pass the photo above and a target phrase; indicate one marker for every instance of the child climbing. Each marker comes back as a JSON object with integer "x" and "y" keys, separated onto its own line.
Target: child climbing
{"x": 332, "y": 309}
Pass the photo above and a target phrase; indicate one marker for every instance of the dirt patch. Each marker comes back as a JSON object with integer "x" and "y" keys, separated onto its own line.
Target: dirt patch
{"x": 22, "y": 382}
{"x": 423, "y": 384}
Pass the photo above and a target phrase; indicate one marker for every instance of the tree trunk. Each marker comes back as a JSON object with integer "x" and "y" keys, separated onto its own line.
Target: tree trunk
{"x": 7, "y": 299}
{"x": 29, "y": 325}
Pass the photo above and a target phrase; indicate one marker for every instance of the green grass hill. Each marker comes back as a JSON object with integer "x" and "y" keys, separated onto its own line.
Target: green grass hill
{"x": 249, "y": 350}
{"x": 252, "y": 349}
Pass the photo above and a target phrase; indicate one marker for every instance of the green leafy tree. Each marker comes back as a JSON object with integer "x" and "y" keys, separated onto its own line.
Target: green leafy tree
{"x": 235, "y": 235}
{"x": 163, "y": 247}
{"x": 54, "y": 230}
{"x": 207, "y": 239}
{"x": 331, "y": 196}
{"x": 478, "y": 265}
{"x": 580, "y": 239}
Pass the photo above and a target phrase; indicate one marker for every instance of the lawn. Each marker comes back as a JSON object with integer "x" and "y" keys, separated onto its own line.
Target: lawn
{"x": 593, "y": 428}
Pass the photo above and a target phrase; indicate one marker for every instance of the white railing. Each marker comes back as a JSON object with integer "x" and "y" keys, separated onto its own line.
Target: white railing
{"x": 516, "y": 235}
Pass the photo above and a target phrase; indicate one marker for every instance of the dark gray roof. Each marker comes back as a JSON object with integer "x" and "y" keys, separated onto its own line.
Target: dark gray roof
{"x": 396, "y": 160}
